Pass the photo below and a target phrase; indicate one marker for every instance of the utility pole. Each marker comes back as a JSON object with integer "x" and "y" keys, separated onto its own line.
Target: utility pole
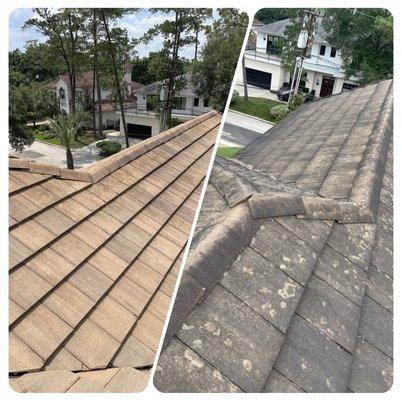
{"x": 304, "y": 42}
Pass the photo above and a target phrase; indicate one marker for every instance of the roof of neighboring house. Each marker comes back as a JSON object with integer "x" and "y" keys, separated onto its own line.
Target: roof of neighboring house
{"x": 288, "y": 283}
{"x": 85, "y": 80}
{"x": 277, "y": 28}
{"x": 153, "y": 88}
{"x": 94, "y": 256}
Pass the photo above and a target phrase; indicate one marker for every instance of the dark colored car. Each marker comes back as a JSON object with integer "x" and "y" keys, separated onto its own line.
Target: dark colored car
{"x": 284, "y": 92}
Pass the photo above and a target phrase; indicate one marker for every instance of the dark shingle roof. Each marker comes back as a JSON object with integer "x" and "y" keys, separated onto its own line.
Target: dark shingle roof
{"x": 288, "y": 283}
{"x": 94, "y": 256}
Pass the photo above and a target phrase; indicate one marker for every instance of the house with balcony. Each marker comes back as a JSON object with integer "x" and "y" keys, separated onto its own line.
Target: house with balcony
{"x": 322, "y": 69}
{"x": 83, "y": 93}
{"x": 143, "y": 120}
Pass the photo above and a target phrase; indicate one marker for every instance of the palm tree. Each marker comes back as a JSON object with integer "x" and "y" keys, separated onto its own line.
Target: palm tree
{"x": 65, "y": 128}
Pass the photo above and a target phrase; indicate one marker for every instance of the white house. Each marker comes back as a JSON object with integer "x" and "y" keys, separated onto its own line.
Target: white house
{"x": 84, "y": 84}
{"x": 143, "y": 120}
{"x": 322, "y": 69}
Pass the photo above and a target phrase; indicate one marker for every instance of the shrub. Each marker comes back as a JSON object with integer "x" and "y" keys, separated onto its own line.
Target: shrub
{"x": 43, "y": 127}
{"x": 108, "y": 147}
{"x": 235, "y": 97}
{"x": 48, "y": 135}
{"x": 279, "y": 111}
{"x": 295, "y": 102}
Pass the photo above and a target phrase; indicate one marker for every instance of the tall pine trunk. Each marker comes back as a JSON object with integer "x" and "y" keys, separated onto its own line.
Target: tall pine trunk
{"x": 69, "y": 158}
{"x": 172, "y": 72}
{"x": 243, "y": 66}
{"x": 116, "y": 77}
{"x": 96, "y": 78}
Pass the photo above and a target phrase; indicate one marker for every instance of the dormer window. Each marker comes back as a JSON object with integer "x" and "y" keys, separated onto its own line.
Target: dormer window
{"x": 62, "y": 93}
{"x": 323, "y": 48}
{"x": 272, "y": 44}
{"x": 333, "y": 52}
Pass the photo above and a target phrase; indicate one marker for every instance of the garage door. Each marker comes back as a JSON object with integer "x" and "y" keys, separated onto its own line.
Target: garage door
{"x": 258, "y": 78}
{"x": 139, "y": 131}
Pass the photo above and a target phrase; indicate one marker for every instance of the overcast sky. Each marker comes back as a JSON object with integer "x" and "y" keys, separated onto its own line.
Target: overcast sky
{"x": 136, "y": 25}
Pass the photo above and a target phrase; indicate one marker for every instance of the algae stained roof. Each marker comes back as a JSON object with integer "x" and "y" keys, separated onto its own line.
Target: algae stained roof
{"x": 94, "y": 256}
{"x": 288, "y": 283}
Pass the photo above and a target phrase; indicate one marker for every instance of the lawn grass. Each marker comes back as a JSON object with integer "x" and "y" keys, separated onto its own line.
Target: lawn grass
{"x": 256, "y": 106}
{"x": 76, "y": 144}
{"x": 228, "y": 152}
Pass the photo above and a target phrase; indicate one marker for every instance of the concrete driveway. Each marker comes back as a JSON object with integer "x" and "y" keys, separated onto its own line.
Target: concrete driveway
{"x": 241, "y": 129}
{"x": 47, "y": 153}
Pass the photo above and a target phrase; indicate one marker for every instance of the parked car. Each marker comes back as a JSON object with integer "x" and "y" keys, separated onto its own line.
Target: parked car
{"x": 284, "y": 92}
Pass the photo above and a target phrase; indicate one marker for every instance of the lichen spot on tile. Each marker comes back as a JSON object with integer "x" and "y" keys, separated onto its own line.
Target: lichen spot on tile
{"x": 283, "y": 304}
{"x": 286, "y": 259}
{"x": 187, "y": 327}
{"x": 216, "y": 374}
{"x": 197, "y": 344}
{"x": 304, "y": 365}
{"x": 228, "y": 342}
{"x": 247, "y": 365}
{"x": 248, "y": 271}
{"x": 196, "y": 362}
{"x": 273, "y": 313}
{"x": 264, "y": 290}
{"x": 212, "y": 328}
{"x": 288, "y": 291}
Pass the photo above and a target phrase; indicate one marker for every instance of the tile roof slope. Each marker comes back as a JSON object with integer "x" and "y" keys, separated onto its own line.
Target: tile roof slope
{"x": 285, "y": 290}
{"x": 94, "y": 256}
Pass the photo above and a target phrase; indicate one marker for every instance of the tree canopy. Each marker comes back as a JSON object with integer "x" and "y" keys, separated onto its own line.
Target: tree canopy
{"x": 214, "y": 72}
{"x": 364, "y": 38}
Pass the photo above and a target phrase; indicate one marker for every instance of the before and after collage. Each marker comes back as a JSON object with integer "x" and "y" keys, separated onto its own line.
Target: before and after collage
{"x": 200, "y": 200}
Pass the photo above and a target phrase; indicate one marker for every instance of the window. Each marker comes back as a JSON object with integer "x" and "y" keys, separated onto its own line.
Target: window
{"x": 62, "y": 93}
{"x": 272, "y": 44}
{"x": 206, "y": 102}
{"x": 333, "y": 52}
{"x": 196, "y": 101}
{"x": 322, "y": 50}
{"x": 179, "y": 103}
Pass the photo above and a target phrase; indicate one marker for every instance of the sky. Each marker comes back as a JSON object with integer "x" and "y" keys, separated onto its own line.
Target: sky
{"x": 135, "y": 24}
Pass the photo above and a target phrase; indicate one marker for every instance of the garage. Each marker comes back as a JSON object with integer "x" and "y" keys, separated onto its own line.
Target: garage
{"x": 139, "y": 131}
{"x": 258, "y": 78}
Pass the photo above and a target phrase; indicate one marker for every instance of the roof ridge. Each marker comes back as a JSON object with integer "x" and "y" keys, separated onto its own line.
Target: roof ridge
{"x": 267, "y": 202}
{"x": 93, "y": 173}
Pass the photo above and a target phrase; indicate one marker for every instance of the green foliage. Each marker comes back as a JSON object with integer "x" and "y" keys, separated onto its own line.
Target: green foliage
{"x": 174, "y": 122}
{"x": 228, "y": 152}
{"x": 213, "y": 73}
{"x": 108, "y": 147}
{"x": 268, "y": 15}
{"x": 49, "y": 135}
{"x": 295, "y": 102}
{"x": 35, "y": 64}
{"x": 256, "y": 106}
{"x": 365, "y": 41}
{"x": 235, "y": 98}
{"x": 279, "y": 111}
{"x": 28, "y": 103}
{"x": 64, "y": 127}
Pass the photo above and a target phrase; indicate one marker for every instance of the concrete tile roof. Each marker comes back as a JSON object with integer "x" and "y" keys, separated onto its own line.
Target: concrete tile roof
{"x": 94, "y": 254}
{"x": 288, "y": 283}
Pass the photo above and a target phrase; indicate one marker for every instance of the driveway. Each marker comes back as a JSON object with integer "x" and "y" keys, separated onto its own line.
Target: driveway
{"x": 254, "y": 91}
{"x": 241, "y": 129}
{"x": 47, "y": 153}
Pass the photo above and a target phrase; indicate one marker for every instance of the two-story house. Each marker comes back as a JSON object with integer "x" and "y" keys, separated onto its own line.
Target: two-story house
{"x": 84, "y": 83}
{"x": 322, "y": 69}
{"x": 144, "y": 120}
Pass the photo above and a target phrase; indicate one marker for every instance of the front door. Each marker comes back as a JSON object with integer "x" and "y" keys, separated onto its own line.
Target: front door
{"x": 327, "y": 86}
